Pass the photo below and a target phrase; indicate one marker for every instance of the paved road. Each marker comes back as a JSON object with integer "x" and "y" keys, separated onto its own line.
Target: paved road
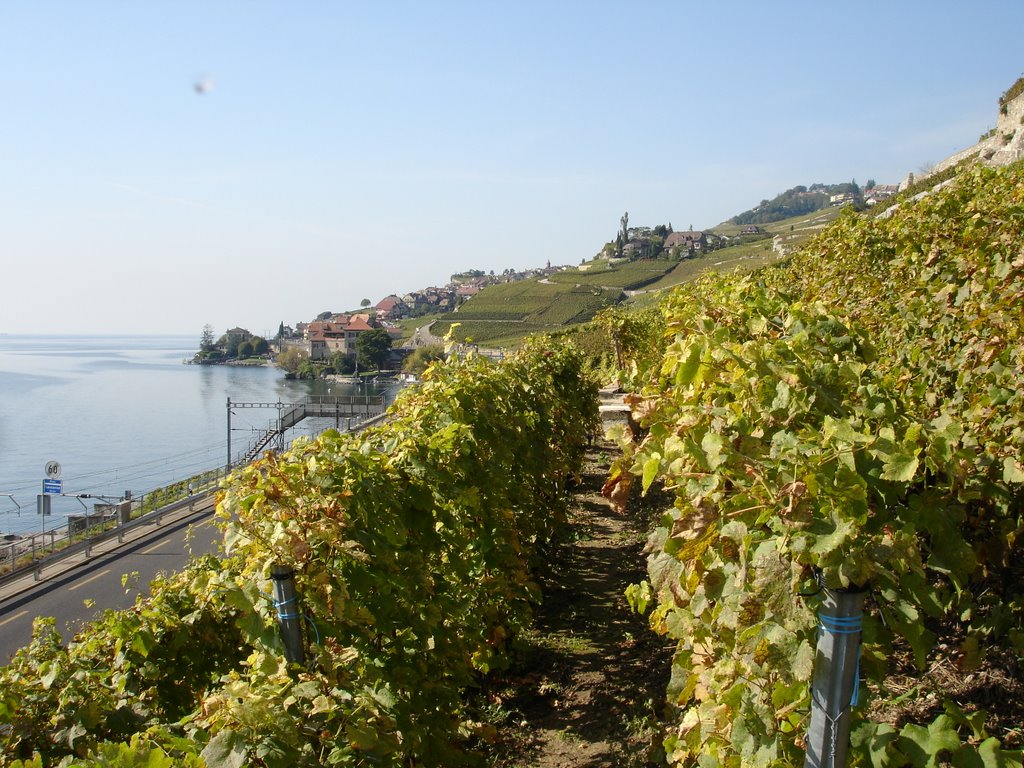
{"x": 423, "y": 337}
{"x": 64, "y": 595}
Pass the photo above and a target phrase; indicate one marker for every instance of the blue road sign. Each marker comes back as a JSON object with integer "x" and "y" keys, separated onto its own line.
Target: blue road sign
{"x": 53, "y": 486}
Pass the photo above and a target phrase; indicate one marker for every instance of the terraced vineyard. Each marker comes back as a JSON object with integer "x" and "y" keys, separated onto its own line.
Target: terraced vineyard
{"x": 519, "y": 309}
{"x": 629, "y": 276}
{"x": 851, "y": 419}
{"x": 503, "y": 315}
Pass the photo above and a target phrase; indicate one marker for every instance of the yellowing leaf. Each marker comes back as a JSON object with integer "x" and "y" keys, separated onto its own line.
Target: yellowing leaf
{"x": 1013, "y": 470}
{"x": 651, "y": 467}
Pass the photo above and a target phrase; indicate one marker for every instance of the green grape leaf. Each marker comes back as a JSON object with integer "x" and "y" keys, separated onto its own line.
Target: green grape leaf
{"x": 932, "y": 746}
{"x": 225, "y": 750}
{"x": 900, "y": 467}
{"x": 650, "y": 473}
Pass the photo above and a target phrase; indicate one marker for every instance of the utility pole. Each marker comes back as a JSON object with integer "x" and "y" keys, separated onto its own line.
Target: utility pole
{"x": 227, "y": 467}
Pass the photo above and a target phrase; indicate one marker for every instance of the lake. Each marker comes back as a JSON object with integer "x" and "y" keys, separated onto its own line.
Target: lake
{"x": 124, "y": 413}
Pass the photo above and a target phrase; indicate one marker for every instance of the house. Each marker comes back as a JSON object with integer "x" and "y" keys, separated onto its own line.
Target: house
{"x": 327, "y": 338}
{"x": 751, "y": 229}
{"x": 714, "y": 240}
{"x": 880, "y": 192}
{"x": 688, "y": 242}
{"x": 236, "y": 336}
{"x": 390, "y": 307}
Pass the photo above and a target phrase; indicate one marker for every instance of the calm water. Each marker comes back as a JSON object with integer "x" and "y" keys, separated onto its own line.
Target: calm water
{"x": 122, "y": 413}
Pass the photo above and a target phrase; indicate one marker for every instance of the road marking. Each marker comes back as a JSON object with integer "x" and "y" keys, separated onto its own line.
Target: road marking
{"x": 200, "y": 525}
{"x": 155, "y": 547}
{"x": 15, "y": 617}
{"x": 99, "y": 575}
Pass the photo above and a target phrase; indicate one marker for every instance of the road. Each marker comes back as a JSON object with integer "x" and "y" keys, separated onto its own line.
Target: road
{"x": 422, "y": 337}
{"x": 98, "y": 580}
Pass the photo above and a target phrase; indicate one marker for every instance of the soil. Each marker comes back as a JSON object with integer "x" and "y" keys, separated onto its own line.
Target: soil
{"x": 588, "y": 683}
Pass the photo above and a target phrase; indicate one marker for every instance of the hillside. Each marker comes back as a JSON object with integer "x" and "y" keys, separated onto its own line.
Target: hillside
{"x": 850, "y": 419}
{"x": 503, "y": 315}
{"x": 845, "y": 423}
{"x": 799, "y": 201}
{"x": 511, "y": 311}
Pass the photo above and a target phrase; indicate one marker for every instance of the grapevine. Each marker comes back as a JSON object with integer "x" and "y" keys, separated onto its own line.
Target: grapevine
{"x": 851, "y": 418}
{"x": 412, "y": 546}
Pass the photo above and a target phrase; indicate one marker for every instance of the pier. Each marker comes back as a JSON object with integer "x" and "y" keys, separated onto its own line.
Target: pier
{"x": 347, "y": 407}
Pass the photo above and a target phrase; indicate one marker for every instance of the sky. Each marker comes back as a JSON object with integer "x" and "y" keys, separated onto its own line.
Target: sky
{"x": 167, "y": 165}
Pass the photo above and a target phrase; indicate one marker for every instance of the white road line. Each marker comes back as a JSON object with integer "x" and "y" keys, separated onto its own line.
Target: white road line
{"x": 99, "y": 575}
{"x": 155, "y": 547}
{"x": 15, "y": 617}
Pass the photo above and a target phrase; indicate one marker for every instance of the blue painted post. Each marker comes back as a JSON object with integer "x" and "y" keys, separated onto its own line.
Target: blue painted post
{"x": 286, "y": 600}
{"x": 835, "y": 687}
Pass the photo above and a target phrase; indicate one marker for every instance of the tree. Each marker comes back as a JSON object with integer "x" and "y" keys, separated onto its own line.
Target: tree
{"x": 260, "y": 346}
{"x": 292, "y": 359}
{"x": 373, "y": 347}
{"x": 422, "y": 357}
{"x": 207, "y": 341}
{"x": 246, "y": 349}
{"x": 624, "y": 224}
{"x": 364, "y": 303}
{"x": 343, "y": 364}
{"x": 230, "y": 345}
{"x": 280, "y": 330}
{"x": 655, "y": 245}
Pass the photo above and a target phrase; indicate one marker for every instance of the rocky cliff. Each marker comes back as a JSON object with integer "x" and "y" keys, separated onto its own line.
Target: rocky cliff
{"x": 1004, "y": 145}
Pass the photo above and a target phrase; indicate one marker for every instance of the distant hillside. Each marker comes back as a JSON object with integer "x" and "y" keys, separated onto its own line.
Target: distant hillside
{"x": 798, "y": 201}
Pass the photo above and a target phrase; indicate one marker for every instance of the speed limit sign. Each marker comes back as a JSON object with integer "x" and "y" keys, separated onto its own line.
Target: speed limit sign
{"x": 52, "y": 469}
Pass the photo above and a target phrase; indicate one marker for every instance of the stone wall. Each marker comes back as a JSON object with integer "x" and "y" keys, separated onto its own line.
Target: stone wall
{"x": 1004, "y": 146}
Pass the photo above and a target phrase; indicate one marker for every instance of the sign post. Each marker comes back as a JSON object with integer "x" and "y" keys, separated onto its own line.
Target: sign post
{"x": 43, "y": 507}
{"x": 52, "y": 486}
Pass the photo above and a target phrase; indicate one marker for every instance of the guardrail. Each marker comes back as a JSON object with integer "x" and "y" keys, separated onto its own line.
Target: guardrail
{"x": 36, "y": 565}
{"x": 90, "y": 538}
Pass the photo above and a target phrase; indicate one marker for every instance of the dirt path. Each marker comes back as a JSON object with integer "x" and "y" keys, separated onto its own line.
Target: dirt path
{"x": 590, "y": 680}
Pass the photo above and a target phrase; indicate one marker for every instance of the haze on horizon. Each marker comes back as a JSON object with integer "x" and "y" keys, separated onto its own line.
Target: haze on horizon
{"x": 166, "y": 166}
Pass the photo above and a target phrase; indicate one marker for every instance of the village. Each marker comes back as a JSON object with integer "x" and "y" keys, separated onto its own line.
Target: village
{"x": 334, "y": 337}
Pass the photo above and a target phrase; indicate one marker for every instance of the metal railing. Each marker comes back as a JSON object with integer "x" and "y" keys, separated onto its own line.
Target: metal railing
{"x": 32, "y": 553}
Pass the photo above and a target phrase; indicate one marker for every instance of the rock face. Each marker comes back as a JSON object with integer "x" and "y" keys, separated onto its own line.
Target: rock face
{"x": 1009, "y": 134}
{"x": 1003, "y": 146}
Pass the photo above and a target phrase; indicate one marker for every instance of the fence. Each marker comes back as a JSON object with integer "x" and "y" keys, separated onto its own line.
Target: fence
{"x": 30, "y": 553}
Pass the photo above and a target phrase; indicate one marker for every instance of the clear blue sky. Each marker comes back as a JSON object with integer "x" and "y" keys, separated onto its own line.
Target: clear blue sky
{"x": 346, "y": 151}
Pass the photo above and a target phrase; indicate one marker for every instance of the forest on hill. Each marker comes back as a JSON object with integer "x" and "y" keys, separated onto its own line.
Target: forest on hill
{"x": 798, "y": 201}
